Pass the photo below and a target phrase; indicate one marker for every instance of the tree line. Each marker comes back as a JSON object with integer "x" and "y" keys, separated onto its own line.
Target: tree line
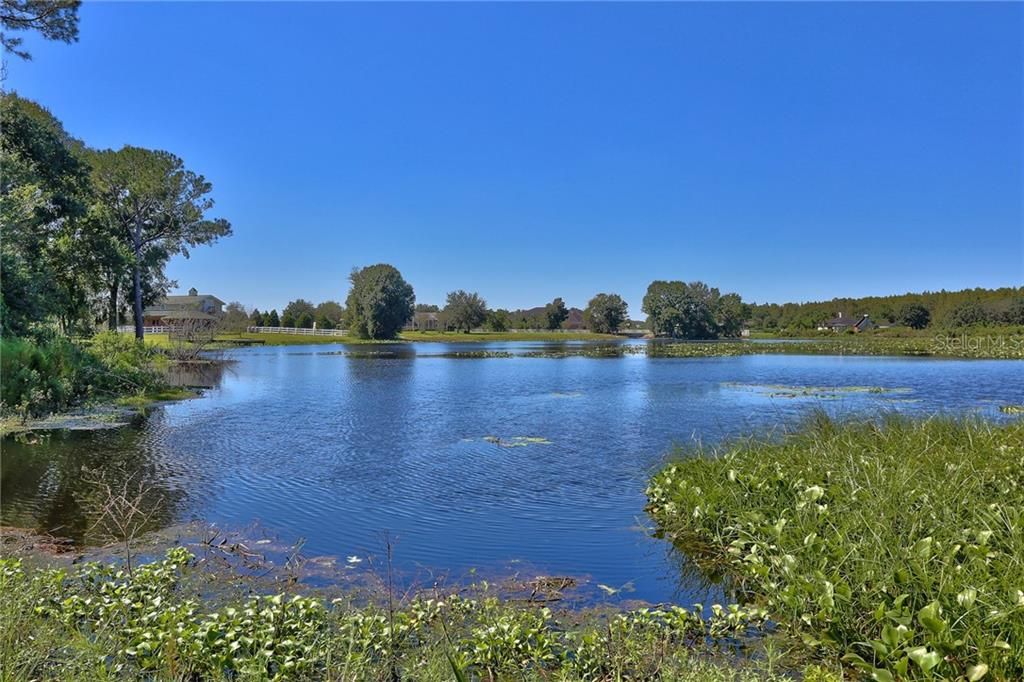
{"x": 380, "y": 303}
{"x": 965, "y": 308}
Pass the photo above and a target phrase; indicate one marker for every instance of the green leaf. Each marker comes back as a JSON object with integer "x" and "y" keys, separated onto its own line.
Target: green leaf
{"x": 976, "y": 672}
{"x": 881, "y": 675}
{"x": 925, "y": 659}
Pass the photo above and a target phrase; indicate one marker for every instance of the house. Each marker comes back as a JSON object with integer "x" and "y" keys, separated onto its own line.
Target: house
{"x": 194, "y": 306}
{"x": 840, "y": 323}
{"x": 424, "y": 322}
{"x": 192, "y": 318}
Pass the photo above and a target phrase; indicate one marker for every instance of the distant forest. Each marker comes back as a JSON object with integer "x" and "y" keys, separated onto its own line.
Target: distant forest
{"x": 945, "y": 309}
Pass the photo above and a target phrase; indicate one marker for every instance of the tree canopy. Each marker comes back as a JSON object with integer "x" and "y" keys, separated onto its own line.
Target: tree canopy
{"x": 379, "y": 302}
{"x": 692, "y": 311}
{"x": 605, "y": 313}
{"x": 465, "y": 311}
{"x": 53, "y": 19}
{"x": 153, "y": 205}
{"x": 555, "y": 313}
{"x": 914, "y": 315}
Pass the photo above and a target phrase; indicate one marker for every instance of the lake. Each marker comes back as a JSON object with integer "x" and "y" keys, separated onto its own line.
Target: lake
{"x": 489, "y": 465}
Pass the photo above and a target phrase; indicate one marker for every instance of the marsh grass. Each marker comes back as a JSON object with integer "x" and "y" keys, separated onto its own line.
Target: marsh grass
{"x": 897, "y": 544}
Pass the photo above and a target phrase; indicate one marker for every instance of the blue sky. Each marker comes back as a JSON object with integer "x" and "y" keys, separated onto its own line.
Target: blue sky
{"x": 785, "y": 151}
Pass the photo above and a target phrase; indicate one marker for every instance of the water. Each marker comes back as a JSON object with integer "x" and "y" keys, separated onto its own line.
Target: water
{"x": 309, "y": 442}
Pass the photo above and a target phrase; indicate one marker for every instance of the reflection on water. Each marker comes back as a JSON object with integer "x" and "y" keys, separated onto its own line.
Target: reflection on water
{"x": 196, "y": 374}
{"x": 525, "y": 459}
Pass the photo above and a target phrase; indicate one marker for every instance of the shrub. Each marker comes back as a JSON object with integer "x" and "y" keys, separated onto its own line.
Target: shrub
{"x": 50, "y": 375}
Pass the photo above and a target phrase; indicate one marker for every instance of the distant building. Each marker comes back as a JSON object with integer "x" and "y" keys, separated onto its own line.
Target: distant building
{"x": 194, "y": 306}
{"x": 192, "y": 318}
{"x": 424, "y": 322}
{"x": 841, "y": 323}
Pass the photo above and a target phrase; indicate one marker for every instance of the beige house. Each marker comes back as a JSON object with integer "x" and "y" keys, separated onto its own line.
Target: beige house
{"x": 172, "y": 308}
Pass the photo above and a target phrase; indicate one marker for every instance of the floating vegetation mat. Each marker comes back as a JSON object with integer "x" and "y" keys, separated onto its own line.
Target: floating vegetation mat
{"x": 821, "y": 392}
{"x": 516, "y": 441}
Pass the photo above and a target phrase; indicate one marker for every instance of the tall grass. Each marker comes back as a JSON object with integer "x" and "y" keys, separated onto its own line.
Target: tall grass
{"x": 898, "y": 544}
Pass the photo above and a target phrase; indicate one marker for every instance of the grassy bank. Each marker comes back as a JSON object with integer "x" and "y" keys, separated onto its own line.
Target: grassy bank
{"x": 899, "y": 546}
{"x": 98, "y": 622}
{"x": 952, "y": 345}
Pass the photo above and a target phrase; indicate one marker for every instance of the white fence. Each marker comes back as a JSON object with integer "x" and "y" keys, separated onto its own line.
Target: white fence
{"x": 298, "y": 330}
{"x": 128, "y": 329}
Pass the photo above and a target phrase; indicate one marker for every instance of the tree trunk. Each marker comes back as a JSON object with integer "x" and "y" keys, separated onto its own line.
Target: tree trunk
{"x": 114, "y": 289}
{"x": 137, "y": 283}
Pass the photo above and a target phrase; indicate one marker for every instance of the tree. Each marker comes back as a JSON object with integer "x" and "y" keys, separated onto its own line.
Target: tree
{"x": 256, "y": 318}
{"x": 304, "y": 320}
{"x": 329, "y": 312}
{"x": 968, "y": 314}
{"x": 271, "y": 319}
{"x": 288, "y": 320}
{"x": 153, "y": 204}
{"x": 605, "y": 313}
{"x": 914, "y": 315}
{"x": 379, "y": 303}
{"x": 427, "y": 308}
{"x": 498, "y": 320}
{"x": 730, "y": 314}
{"x": 681, "y": 310}
{"x": 54, "y": 254}
{"x": 465, "y": 311}
{"x": 54, "y": 19}
{"x": 1014, "y": 312}
{"x": 295, "y": 308}
{"x": 555, "y": 314}
{"x": 235, "y": 319}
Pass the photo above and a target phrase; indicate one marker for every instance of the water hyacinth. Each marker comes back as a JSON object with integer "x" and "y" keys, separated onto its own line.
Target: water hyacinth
{"x": 897, "y": 545}
{"x": 145, "y": 625}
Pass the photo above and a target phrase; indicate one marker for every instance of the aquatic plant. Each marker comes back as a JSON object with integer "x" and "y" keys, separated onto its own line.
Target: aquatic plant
{"x": 898, "y": 545}
{"x": 100, "y": 622}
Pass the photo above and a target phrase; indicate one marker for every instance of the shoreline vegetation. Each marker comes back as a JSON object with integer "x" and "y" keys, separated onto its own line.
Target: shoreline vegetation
{"x": 102, "y": 621}
{"x": 896, "y": 546}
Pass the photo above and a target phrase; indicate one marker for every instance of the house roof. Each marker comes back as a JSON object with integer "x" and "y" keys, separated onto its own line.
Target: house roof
{"x": 188, "y": 315}
{"x": 842, "y": 321}
{"x": 169, "y": 304}
{"x": 185, "y": 300}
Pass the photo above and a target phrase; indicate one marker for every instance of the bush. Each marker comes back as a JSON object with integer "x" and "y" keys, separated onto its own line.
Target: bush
{"x": 39, "y": 377}
{"x": 50, "y": 375}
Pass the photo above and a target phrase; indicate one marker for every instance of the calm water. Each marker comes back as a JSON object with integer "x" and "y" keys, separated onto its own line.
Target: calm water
{"x": 309, "y": 442}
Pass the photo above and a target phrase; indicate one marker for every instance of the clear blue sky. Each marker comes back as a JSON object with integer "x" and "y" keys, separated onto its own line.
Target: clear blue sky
{"x": 787, "y": 151}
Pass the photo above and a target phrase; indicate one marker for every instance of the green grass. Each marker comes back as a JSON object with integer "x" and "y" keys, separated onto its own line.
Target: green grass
{"x": 96, "y": 622}
{"x": 898, "y": 545}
